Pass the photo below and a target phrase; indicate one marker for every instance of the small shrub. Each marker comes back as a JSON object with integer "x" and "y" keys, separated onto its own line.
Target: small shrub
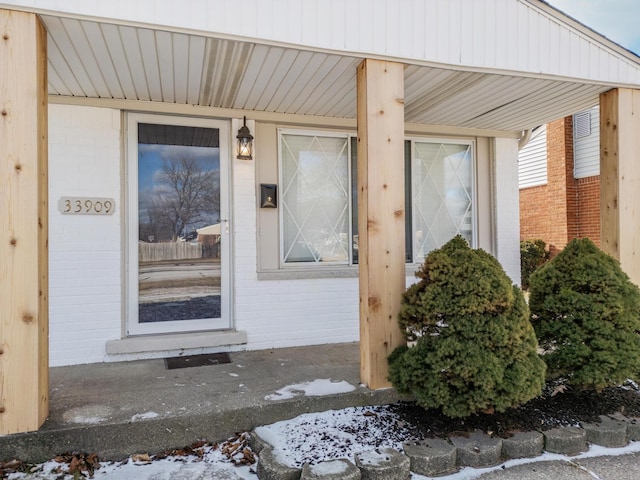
{"x": 586, "y": 314}
{"x": 475, "y": 349}
{"x": 533, "y": 253}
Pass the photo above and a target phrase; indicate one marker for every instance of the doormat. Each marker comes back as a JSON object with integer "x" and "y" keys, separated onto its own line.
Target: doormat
{"x": 197, "y": 360}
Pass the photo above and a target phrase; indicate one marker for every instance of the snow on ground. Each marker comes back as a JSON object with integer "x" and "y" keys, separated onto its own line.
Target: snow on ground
{"x": 144, "y": 416}
{"x": 312, "y": 437}
{"x": 213, "y": 465}
{"x": 316, "y": 388}
{"x": 309, "y": 438}
{"x": 333, "y": 434}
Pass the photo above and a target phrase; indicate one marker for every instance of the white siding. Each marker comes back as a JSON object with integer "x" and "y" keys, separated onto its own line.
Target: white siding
{"x": 586, "y": 149}
{"x": 84, "y": 250}
{"x": 514, "y": 35}
{"x": 532, "y": 160}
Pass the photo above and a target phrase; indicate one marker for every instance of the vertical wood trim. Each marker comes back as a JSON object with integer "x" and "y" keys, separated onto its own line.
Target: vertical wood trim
{"x": 620, "y": 177}
{"x": 24, "y": 361}
{"x": 381, "y": 217}
{"x": 609, "y": 212}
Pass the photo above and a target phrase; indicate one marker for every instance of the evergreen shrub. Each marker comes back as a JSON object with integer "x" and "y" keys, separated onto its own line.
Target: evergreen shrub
{"x": 533, "y": 253}
{"x": 586, "y": 314}
{"x": 474, "y": 349}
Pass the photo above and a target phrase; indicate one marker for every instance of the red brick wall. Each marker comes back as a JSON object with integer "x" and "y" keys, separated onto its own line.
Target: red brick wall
{"x": 588, "y": 199}
{"x": 534, "y": 215}
{"x": 564, "y": 208}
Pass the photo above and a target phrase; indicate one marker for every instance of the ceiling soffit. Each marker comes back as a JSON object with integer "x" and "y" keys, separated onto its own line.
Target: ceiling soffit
{"x": 99, "y": 60}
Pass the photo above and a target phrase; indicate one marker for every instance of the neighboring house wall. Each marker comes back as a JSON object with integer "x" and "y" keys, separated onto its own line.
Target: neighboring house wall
{"x": 587, "y": 172}
{"x": 566, "y": 203}
{"x": 561, "y": 184}
{"x": 588, "y": 190}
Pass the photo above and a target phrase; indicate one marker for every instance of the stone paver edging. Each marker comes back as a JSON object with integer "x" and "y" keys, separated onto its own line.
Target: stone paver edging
{"x": 438, "y": 457}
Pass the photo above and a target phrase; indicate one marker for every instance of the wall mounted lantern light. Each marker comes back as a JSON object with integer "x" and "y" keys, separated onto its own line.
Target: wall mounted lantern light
{"x": 245, "y": 143}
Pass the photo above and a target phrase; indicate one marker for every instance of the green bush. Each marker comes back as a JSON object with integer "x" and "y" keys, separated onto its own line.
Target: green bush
{"x": 533, "y": 253}
{"x": 586, "y": 314}
{"x": 475, "y": 349}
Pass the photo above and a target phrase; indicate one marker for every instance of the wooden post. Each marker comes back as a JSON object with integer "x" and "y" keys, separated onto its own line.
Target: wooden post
{"x": 381, "y": 217}
{"x": 620, "y": 178}
{"x": 24, "y": 349}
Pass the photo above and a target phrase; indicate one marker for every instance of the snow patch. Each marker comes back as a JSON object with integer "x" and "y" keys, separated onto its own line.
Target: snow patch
{"x": 333, "y": 434}
{"x": 333, "y": 467}
{"x": 88, "y": 415}
{"x": 373, "y": 457}
{"x": 144, "y": 416}
{"x": 316, "y": 388}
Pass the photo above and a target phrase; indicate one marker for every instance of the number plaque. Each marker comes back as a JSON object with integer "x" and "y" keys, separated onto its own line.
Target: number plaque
{"x": 86, "y": 205}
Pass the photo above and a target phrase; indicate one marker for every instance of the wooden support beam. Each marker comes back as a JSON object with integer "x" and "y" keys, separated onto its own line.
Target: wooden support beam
{"x": 24, "y": 342}
{"x": 381, "y": 217}
{"x": 620, "y": 178}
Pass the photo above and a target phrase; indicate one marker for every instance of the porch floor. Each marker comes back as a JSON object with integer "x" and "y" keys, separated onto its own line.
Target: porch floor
{"x": 116, "y": 409}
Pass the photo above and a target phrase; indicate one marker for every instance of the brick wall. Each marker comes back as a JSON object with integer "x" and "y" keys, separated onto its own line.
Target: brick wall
{"x": 86, "y": 251}
{"x": 564, "y": 208}
{"x": 85, "y": 287}
{"x": 588, "y": 198}
{"x": 534, "y": 216}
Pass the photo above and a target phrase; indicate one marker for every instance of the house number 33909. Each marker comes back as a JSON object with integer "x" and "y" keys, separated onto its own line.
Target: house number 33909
{"x": 86, "y": 205}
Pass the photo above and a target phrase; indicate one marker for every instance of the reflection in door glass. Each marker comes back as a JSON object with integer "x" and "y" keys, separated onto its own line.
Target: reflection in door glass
{"x": 178, "y": 223}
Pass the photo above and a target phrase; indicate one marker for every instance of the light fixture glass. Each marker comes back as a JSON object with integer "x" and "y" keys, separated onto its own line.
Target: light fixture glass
{"x": 244, "y": 150}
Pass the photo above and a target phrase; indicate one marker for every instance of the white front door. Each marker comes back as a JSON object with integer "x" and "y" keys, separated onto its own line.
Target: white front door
{"x": 178, "y": 224}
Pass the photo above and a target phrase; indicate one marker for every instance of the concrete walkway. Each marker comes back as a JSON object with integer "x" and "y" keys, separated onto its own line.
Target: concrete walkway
{"x": 622, "y": 467}
{"x": 117, "y": 409}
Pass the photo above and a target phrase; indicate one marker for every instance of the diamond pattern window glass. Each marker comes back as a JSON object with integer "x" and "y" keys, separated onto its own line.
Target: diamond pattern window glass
{"x": 315, "y": 199}
{"x": 442, "y": 176}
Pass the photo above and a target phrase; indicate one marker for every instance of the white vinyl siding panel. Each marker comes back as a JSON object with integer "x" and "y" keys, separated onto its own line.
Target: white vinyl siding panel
{"x": 586, "y": 149}
{"x": 532, "y": 160}
{"x": 453, "y": 32}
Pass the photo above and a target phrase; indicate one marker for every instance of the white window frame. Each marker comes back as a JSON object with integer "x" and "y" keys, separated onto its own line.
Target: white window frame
{"x": 132, "y": 326}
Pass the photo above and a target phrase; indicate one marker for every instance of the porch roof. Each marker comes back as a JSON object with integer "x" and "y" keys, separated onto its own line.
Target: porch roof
{"x": 505, "y": 65}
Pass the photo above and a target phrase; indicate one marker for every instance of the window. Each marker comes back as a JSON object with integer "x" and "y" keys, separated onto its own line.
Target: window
{"x": 441, "y": 178}
{"x": 319, "y": 197}
{"x": 315, "y": 199}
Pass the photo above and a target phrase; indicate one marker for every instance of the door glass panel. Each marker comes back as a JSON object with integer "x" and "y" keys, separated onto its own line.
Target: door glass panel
{"x": 179, "y": 235}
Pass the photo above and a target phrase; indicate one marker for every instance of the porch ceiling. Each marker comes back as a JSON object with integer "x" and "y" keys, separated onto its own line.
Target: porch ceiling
{"x": 102, "y": 60}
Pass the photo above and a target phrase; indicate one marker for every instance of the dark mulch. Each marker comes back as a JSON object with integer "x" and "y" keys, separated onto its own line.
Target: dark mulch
{"x": 550, "y": 410}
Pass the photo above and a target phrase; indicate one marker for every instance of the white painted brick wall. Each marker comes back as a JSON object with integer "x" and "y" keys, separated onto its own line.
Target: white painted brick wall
{"x": 84, "y": 250}
{"x": 281, "y": 313}
{"x": 506, "y": 206}
{"x": 86, "y": 256}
